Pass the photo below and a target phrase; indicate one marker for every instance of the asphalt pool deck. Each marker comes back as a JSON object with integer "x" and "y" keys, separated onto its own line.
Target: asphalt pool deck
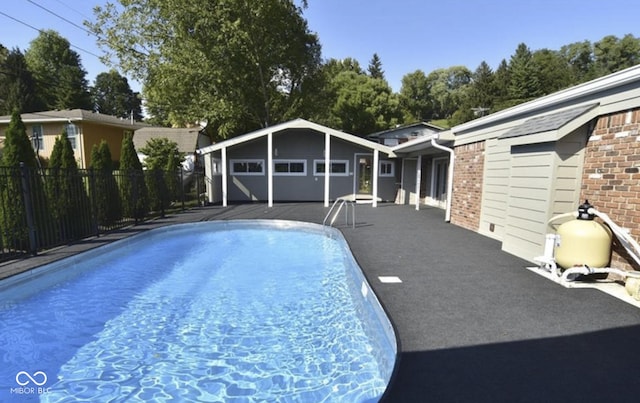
{"x": 473, "y": 324}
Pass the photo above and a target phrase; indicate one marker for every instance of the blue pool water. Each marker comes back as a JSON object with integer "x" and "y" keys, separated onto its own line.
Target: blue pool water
{"x": 217, "y": 311}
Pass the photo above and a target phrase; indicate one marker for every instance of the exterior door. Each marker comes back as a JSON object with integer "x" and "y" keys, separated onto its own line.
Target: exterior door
{"x": 364, "y": 177}
{"x": 439, "y": 181}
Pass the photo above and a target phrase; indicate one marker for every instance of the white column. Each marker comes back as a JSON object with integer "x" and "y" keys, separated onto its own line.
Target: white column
{"x": 223, "y": 153}
{"x": 270, "y": 169}
{"x": 327, "y": 167}
{"x": 375, "y": 169}
{"x": 418, "y": 179}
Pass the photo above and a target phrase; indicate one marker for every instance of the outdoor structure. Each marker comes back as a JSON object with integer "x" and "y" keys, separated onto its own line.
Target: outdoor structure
{"x": 402, "y": 134}
{"x": 288, "y": 162}
{"x": 84, "y": 129}
{"x": 426, "y": 165}
{"x": 517, "y": 168}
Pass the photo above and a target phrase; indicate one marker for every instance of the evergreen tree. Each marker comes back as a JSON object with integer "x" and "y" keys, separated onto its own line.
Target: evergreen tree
{"x": 105, "y": 188}
{"x": 17, "y": 85}
{"x": 524, "y": 81}
{"x": 17, "y": 149}
{"x": 69, "y": 203}
{"x": 375, "y": 67}
{"x": 133, "y": 191}
{"x": 158, "y": 154}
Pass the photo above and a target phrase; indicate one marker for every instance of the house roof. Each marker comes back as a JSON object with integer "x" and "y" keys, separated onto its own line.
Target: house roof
{"x": 75, "y": 115}
{"x": 548, "y": 122}
{"x": 297, "y": 124}
{"x": 421, "y": 144}
{"x": 407, "y": 131}
{"x": 186, "y": 139}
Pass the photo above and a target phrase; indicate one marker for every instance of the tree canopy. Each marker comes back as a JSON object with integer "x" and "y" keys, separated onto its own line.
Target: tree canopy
{"x": 112, "y": 95}
{"x": 237, "y": 65}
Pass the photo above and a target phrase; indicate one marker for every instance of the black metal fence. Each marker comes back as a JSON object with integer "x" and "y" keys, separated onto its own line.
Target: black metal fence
{"x": 45, "y": 208}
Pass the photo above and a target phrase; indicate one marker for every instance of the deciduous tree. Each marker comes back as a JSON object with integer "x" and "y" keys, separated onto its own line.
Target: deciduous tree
{"x": 238, "y": 65}
{"x": 112, "y": 95}
{"x": 57, "y": 69}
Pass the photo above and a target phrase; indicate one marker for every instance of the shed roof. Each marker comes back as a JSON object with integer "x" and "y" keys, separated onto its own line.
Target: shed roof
{"x": 186, "y": 139}
{"x": 548, "y": 122}
{"x": 297, "y": 124}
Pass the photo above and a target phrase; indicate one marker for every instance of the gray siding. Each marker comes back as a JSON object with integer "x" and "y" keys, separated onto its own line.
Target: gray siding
{"x": 306, "y": 145}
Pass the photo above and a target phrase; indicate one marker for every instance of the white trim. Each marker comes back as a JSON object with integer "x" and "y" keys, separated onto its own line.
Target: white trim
{"x": 376, "y": 161}
{"x": 289, "y": 162}
{"x": 246, "y": 161}
{"x": 269, "y": 169}
{"x": 225, "y": 184}
{"x": 331, "y": 163}
{"x": 327, "y": 163}
{"x": 418, "y": 180}
{"x": 299, "y": 124}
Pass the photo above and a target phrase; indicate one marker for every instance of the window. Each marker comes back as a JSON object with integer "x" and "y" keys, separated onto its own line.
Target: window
{"x": 289, "y": 167}
{"x": 338, "y": 167}
{"x": 72, "y": 134}
{"x": 247, "y": 167}
{"x": 36, "y": 139}
{"x": 216, "y": 166}
{"x": 387, "y": 168}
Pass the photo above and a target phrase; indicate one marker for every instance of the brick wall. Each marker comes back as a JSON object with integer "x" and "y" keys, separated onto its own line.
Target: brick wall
{"x": 467, "y": 185}
{"x": 611, "y": 176}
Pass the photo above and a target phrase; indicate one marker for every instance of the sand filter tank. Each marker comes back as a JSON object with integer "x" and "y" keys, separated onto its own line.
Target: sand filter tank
{"x": 583, "y": 241}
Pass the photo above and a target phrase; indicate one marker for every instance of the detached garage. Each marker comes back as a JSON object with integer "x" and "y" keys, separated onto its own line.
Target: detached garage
{"x": 289, "y": 162}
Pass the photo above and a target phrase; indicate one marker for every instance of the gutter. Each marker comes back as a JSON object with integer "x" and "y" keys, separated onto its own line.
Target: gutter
{"x": 447, "y": 214}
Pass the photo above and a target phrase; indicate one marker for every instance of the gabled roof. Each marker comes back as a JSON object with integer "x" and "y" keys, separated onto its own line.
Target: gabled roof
{"x": 407, "y": 131}
{"x": 297, "y": 124}
{"x": 186, "y": 139}
{"x": 75, "y": 115}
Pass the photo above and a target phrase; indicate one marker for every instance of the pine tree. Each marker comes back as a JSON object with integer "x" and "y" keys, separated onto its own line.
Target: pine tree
{"x": 133, "y": 191}
{"x": 68, "y": 199}
{"x": 375, "y": 67}
{"x": 105, "y": 193}
{"x": 524, "y": 83}
{"x": 17, "y": 149}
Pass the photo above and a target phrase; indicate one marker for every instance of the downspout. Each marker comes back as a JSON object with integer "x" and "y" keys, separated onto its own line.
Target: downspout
{"x": 447, "y": 214}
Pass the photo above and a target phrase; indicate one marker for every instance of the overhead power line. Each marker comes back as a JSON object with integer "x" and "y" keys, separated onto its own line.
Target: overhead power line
{"x": 42, "y": 31}
{"x": 61, "y": 17}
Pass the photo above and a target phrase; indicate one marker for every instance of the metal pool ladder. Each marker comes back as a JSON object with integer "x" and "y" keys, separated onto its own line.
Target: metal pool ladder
{"x": 340, "y": 202}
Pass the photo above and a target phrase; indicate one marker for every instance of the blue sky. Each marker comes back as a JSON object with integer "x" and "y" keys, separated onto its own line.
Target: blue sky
{"x": 407, "y": 34}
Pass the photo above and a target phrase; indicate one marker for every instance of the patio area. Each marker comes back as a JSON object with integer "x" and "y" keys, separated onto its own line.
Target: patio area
{"x": 473, "y": 324}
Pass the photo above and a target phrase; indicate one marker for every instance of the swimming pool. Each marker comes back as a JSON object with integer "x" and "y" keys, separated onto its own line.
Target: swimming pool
{"x": 214, "y": 311}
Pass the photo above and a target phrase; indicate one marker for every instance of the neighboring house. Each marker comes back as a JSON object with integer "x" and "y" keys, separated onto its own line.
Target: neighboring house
{"x": 84, "y": 129}
{"x": 287, "y": 162}
{"x": 517, "y": 168}
{"x": 188, "y": 140}
{"x": 402, "y": 134}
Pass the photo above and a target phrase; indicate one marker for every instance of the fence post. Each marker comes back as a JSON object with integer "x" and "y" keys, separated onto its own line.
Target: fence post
{"x": 28, "y": 207}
